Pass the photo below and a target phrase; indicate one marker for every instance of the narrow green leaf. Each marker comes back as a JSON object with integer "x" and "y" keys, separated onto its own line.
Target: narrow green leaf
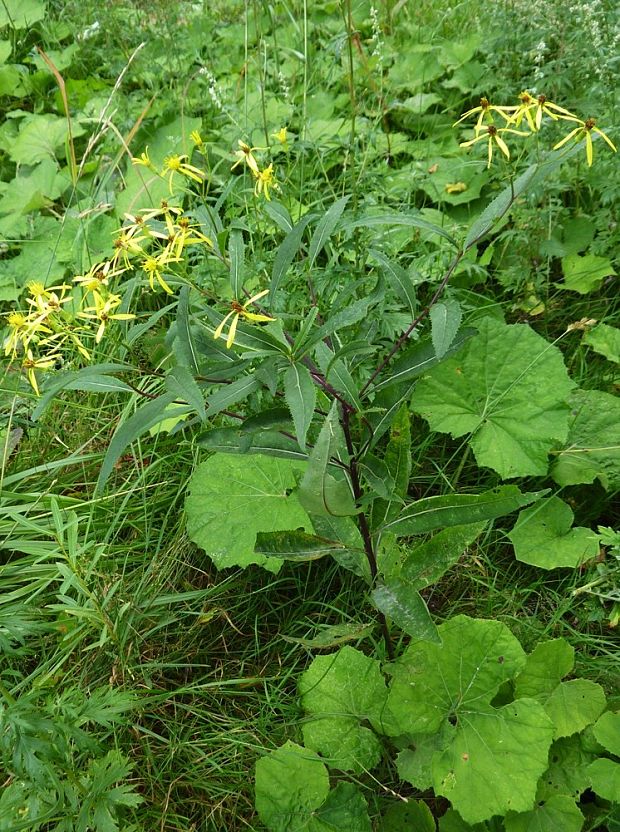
{"x": 496, "y": 209}
{"x": 418, "y": 359}
{"x": 325, "y": 228}
{"x": 502, "y": 203}
{"x": 279, "y": 214}
{"x": 427, "y": 563}
{"x": 399, "y": 280}
{"x": 399, "y": 219}
{"x": 400, "y": 602}
{"x": 183, "y": 384}
{"x": 387, "y": 402}
{"x": 334, "y": 635}
{"x": 445, "y": 322}
{"x": 274, "y": 417}
{"x": 325, "y": 491}
{"x": 305, "y": 328}
{"x": 137, "y": 330}
{"x": 294, "y": 545}
{"x": 74, "y": 379}
{"x": 398, "y": 463}
{"x": 300, "y": 396}
{"x": 236, "y": 253}
{"x": 456, "y": 509}
{"x": 143, "y": 419}
{"x": 232, "y": 393}
{"x": 286, "y": 253}
{"x": 257, "y": 339}
{"x": 348, "y": 316}
{"x": 268, "y": 442}
{"x": 337, "y": 374}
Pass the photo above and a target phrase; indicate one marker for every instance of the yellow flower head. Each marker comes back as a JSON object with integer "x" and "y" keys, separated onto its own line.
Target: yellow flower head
{"x": 30, "y": 364}
{"x": 245, "y": 155}
{"x": 103, "y": 311}
{"x": 265, "y": 180}
{"x": 175, "y": 164}
{"x": 492, "y": 135}
{"x": 143, "y": 159}
{"x": 584, "y": 131}
{"x": 196, "y": 138}
{"x": 533, "y": 109}
{"x": 485, "y": 111}
{"x": 240, "y": 311}
{"x": 280, "y": 136}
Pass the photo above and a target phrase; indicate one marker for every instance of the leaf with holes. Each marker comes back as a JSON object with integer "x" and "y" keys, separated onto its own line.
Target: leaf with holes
{"x": 557, "y": 813}
{"x": 507, "y": 389}
{"x": 232, "y": 498}
{"x": 574, "y": 705}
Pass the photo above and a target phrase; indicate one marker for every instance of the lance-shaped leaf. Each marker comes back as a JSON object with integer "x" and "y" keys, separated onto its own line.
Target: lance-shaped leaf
{"x": 268, "y": 442}
{"x": 418, "y": 359}
{"x": 294, "y": 545}
{"x": 236, "y": 253}
{"x": 427, "y": 563}
{"x": 127, "y": 432}
{"x": 325, "y": 228}
{"x": 300, "y": 396}
{"x": 457, "y": 509}
{"x": 412, "y": 220}
{"x": 399, "y": 601}
{"x": 183, "y": 384}
{"x": 445, "y": 322}
{"x": 232, "y": 498}
{"x": 230, "y": 394}
{"x": 339, "y": 692}
{"x": 398, "y": 464}
{"x": 344, "y": 530}
{"x": 592, "y": 449}
{"x": 183, "y": 331}
{"x": 543, "y": 536}
{"x": 286, "y": 254}
{"x": 325, "y": 488}
{"x": 507, "y": 388}
{"x": 399, "y": 281}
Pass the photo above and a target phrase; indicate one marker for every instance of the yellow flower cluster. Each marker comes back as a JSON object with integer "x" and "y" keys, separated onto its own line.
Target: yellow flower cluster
{"x": 265, "y": 179}
{"x": 73, "y": 316}
{"x": 530, "y": 110}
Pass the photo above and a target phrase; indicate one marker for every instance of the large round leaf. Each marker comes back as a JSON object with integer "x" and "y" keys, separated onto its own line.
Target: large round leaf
{"x": 543, "y": 536}
{"x": 592, "y": 449}
{"x": 232, "y": 498}
{"x": 507, "y": 388}
{"x": 340, "y": 692}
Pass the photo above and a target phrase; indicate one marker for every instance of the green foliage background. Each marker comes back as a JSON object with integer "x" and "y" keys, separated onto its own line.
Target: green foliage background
{"x": 160, "y": 638}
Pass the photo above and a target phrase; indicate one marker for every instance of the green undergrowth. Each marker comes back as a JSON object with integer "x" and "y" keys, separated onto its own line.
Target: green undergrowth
{"x": 235, "y": 530}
